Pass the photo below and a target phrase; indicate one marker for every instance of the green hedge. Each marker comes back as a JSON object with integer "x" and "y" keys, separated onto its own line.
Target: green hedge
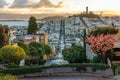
{"x": 118, "y": 70}
{"x": 38, "y": 69}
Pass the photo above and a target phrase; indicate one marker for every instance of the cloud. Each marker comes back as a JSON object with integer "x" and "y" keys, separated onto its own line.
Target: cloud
{"x": 49, "y": 4}
{"x": 40, "y": 4}
{"x": 62, "y": 4}
{"x": 22, "y": 4}
{"x": 2, "y": 3}
{"x": 31, "y": 4}
{"x": 44, "y": 4}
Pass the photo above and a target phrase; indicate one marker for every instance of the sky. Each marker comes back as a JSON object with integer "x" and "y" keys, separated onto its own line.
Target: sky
{"x": 68, "y": 5}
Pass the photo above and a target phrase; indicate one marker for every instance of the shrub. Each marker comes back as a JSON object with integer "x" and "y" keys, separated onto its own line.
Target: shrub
{"x": 38, "y": 69}
{"x": 37, "y": 60}
{"x": 24, "y": 46}
{"x": 118, "y": 70}
{"x": 12, "y": 54}
{"x": 74, "y": 54}
{"x": 35, "y": 48}
{"x": 8, "y": 77}
{"x": 47, "y": 50}
{"x": 96, "y": 59}
{"x": 37, "y": 51}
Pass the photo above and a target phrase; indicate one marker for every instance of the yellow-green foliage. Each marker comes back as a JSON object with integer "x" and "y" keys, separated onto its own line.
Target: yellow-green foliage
{"x": 8, "y": 77}
{"x": 12, "y": 54}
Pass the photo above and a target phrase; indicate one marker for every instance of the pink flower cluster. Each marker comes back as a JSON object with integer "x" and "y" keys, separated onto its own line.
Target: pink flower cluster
{"x": 101, "y": 44}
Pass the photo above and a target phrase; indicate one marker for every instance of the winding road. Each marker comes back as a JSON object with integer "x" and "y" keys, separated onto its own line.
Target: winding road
{"x": 69, "y": 77}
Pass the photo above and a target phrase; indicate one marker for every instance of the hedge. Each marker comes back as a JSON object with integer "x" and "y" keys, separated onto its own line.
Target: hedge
{"x": 118, "y": 70}
{"x": 38, "y": 69}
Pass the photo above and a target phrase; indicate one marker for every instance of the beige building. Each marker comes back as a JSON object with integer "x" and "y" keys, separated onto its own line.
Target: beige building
{"x": 29, "y": 39}
{"x": 39, "y": 37}
{"x": 43, "y": 37}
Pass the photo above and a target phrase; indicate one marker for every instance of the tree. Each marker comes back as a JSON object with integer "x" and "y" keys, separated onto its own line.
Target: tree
{"x": 47, "y": 50}
{"x": 24, "y": 46}
{"x": 12, "y": 54}
{"x": 75, "y": 54}
{"x": 32, "y": 27}
{"x": 101, "y": 44}
{"x": 4, "y": 38}
{"x": 36, "y": 54}
{"x": 34, "y": 47}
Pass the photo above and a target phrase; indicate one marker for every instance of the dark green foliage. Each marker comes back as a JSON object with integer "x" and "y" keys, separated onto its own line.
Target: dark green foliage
{"x": 36, "y": 54}
{"x": 75, "y": 54}
{"x": 96, "y": 59}
{"x": 47, "y": 49}
{"x": 24, "y": 70}
{"x": 99, "y": 67}
{"x": 4, "y": 38}
{"x": 38, "y": 69}
{"x": 35, "y": 49}
{"x": 24, "y": 46}
{"x": 32, "y": 27}
{"x": 38, "y": 48}
{"x": 103, "y": 30}
{"x": 118, "y": 70}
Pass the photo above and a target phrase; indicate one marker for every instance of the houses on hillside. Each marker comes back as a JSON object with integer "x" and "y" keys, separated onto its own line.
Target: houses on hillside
{"x": 49, "y": 29}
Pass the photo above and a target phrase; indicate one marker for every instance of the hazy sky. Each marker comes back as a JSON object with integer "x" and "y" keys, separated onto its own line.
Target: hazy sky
{"x": 73, "y": 4}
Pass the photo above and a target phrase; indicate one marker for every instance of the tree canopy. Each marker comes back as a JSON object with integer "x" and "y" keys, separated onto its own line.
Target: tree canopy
{"x": 101, "y": 44}
{"x": 35, "y": 49}
{"x": 75, "y": 54}
{"x": 12, "y": 54}
{"x": 24, "y": 46}
{"x": 32, "y": 27}
{"x": 4, "y": 38}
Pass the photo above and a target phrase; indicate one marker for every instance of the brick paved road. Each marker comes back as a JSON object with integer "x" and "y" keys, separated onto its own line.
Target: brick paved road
{"x": 75, "y": 77}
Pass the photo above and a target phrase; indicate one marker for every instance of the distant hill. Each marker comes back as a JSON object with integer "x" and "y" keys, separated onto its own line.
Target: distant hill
{"x": 10, "y": 16}
{"x": 53, "y": 18}
{"x": 17, "y": 16}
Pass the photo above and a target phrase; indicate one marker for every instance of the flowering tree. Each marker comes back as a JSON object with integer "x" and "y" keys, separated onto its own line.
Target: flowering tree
{"x": 101, "y": 44}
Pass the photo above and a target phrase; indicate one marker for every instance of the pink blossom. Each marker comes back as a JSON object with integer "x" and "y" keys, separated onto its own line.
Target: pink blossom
{"x": 101, "y": 44}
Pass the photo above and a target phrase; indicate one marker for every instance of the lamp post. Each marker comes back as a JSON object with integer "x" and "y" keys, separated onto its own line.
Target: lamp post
{"x": 84, "y": 41}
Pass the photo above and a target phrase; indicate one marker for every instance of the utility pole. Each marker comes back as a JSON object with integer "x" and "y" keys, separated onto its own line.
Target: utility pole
{"x": 84, "y": 41}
